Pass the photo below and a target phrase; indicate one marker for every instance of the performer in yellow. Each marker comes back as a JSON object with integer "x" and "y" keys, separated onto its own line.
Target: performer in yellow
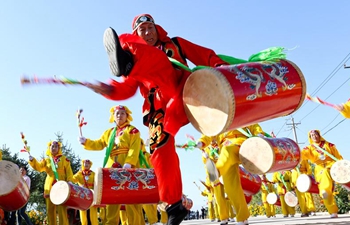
{"x": 57, "y": 167}
{"x": 0, "y": 154}
{"x": 323, "y": 163}
{"x": 85, "y": 178}
{"x": 344, "y": 109}
{"x": 211, "y": 152}
{"x": 123, "y": 144}
{"x": 231, "y": 212}
{"x": 305, "y": 168}
{"x": 301, "y": 196}
{"x": 283, "y": 180}
{"x": 266, "y": 188}
{"x": 209, "y": 193}
{"x": 227, "y": 163}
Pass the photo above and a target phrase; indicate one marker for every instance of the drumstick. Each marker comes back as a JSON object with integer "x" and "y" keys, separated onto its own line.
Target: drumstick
{"x": 80, "y": 121}
{"x": 197, "y": 185}
{"x": 26, "y": 147}
{"x": 63, "y": 80}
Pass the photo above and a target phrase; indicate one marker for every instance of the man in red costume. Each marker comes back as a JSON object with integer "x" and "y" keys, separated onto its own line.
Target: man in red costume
{"x": 141, "y": 58}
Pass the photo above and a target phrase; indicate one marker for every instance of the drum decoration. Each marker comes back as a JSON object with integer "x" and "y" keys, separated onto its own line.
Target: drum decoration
{"x": 71, "y": 195}
{"x": 125, "y": 186}
{"x": 340, "y": 171}
{"x": 225, "y": 98}
{"x": 251, "y": 183}
{"x": 291, "y": 199}
{"x": 307, "y": 183}
{"x": 14, "y": 191}
{"x": 267, "y": 155}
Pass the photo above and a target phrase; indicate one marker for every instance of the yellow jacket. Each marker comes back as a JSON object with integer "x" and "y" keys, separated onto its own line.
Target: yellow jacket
{"x": 64, "y": 171}
{"x": 80, "y": 178}
{"x": 277, "y": 178}
{"x": 127, "y": 149}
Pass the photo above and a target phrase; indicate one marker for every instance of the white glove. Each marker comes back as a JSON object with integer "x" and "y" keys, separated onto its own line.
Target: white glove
{"x": 199, "y": 145}
{"x": 205, "y": 155}
{"x": 82, "y": 140}
{"x": 126, "y": 166}
{"x": 261, "y": 135}
{"x": 31, "y": 158}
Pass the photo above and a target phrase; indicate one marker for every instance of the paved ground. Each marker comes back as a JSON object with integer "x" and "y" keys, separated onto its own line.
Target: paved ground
{"x": 320, "y": 219}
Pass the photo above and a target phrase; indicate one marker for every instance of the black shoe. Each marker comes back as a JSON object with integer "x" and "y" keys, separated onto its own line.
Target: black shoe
{"x": 176, "y": 213}
{"x": 120, "y": 61}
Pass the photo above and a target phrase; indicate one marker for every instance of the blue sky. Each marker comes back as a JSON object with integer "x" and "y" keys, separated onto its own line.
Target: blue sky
{"x": 49, "y": 38}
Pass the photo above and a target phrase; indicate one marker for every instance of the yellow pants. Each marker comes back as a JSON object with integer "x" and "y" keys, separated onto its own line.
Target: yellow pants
{"x": 211, "y": 211}
{"x": 310, "y": 205}
{"x": 268, "y": 207}
{"x": 219, "y": 194}
{"x": 301, "y": 201}
{"x": 234, "y": 191}
{"x": 163, "y": 217}
{"x": 325, "y": 183}
{"x": 92, "y": 215}
{"x": 123, "y": 217}
{"x": 52, "y": 216}
{"x": 151, "y": 213}
{"x": 231, "y": 213}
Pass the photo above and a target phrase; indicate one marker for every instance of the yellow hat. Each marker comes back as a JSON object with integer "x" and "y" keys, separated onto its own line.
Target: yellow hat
{"x": 48, "y": 151}
{"x": 313, "y": 131}
{"x": 83, "y": 162}
{"x": 120, "y": 107}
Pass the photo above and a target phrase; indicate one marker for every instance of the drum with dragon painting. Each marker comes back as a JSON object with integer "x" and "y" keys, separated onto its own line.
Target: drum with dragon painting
{"x": 71, "y": 195}
{"x": 251, "y": 183}
{"x": 267, "y": 155}
{"x": 229, "y": 97}
{"x": 14, "y": 192}
{"x": 125, "y": 186}
{"x": 307, "y": 183}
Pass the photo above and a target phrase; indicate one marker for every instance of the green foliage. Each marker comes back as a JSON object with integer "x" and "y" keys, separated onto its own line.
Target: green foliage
{"x": 342, "y": 199}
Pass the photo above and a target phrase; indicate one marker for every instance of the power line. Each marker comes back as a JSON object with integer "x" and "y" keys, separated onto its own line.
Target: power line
{"x": 334, "y": 126}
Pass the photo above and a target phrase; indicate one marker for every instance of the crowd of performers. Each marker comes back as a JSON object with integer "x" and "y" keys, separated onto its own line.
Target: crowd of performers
{"x": 141, "y": 61}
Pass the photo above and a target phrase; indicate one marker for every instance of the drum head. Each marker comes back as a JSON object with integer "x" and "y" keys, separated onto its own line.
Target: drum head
{"x": 340, "y": 171}
{"x": 212, "y": 170}
{"x": 209, "y": 101}
{"x": 257, "y": 155}
{"x": 60, "y": 192}
{"x": 291, "y": 199}
{"x": 271, "y": 198}
{"x": 98, "y": 184}
{"x": 303, "y": 183}
{"x": 9, "y": 172}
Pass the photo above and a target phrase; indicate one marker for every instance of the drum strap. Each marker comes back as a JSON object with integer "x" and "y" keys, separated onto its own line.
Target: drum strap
{"x": 143, "y": 161}
{"x": 54, "y": 169}
{"x": 248, "y": 134}
{"x": 110, "y": 146}
{"x": 325, "y": 152}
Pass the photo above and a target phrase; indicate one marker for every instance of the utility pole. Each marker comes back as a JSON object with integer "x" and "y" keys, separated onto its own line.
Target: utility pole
{"x": 294, "y": 125}
{"x": 346, "y": 67}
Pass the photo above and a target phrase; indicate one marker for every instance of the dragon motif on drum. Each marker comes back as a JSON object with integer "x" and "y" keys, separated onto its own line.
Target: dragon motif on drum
{"x": 287, "y": 151}
{"x": 80, "y": 192}
{"x": 134, "y": 179}
{"x": 274, "y": 72}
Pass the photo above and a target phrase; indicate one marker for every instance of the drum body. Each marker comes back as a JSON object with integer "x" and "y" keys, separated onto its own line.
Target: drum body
{"x": 228, "y": 97}
{"x": 71, "y": 195}
{"x": 125, "y": 186}
{"x": 306, "y": 183}
{"x": 248, "y": 198}
{"x": 14, "y": 192}
{"x": 340, "y": 171}
{"x": 267, "y": 155}
{"x": 291, "y": 199}
{"x": 251, "y": 183}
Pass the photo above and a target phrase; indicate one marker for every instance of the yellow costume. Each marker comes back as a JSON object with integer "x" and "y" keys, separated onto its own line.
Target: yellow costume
{"x": 0, "y": 154}
{"x": 210, "y": 147}
{"x": 300, "y": 195}
{"x": 323, "y": 164}
{"x": 266, "y": 188}
{"x": 64, "y": 172}
{"x": 305, "y": 168}
{"x": 211, "y": 203}
{"x": 346, "y": 109}
{"x": 278, "y": 178}
{"x": 125, "y": 150}
{"x": 85, "y": 178}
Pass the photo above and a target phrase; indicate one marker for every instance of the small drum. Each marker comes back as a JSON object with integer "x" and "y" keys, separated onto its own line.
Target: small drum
{"x": 272, "y": 198}
{"x": 340, "y": 171}
{"x": 291, "y": 199}
{"x": 306, "y": 183}
{"x": 228, "y": 97}
{"x": 251, "y": 183}
{"x": 71, "y": 195}
{"x": 267, "y": 155}
{"x": 14, "y": 192}
{"x": 125, "y": 186}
